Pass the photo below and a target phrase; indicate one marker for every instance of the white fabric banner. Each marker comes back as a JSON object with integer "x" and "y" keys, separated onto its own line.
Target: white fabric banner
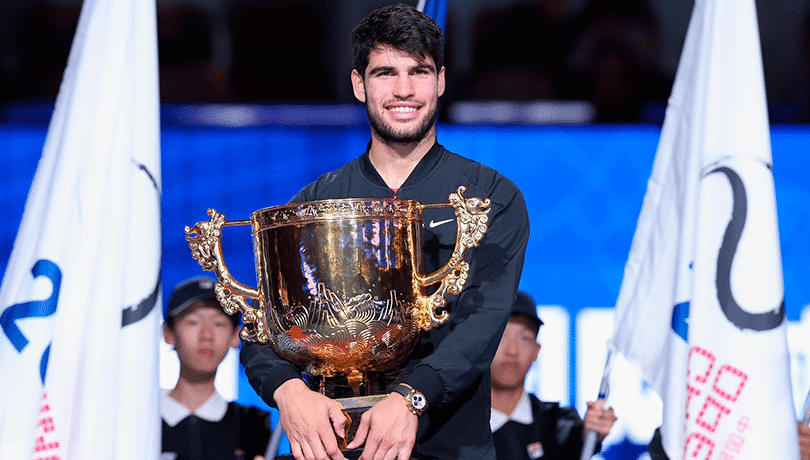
{"x": 701, "y": 307}
{"x": 79, "y": 299}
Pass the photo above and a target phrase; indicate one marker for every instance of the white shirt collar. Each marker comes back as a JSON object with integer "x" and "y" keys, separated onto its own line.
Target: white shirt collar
{"x": 521, "y": 414}
{"x": 173, "y": 412}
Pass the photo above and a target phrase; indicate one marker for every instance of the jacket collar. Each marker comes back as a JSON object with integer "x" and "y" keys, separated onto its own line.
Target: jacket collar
{"x": 425, "y": 165}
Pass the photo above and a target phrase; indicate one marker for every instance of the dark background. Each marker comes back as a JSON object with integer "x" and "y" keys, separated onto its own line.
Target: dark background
{"x": 618, "y": 55}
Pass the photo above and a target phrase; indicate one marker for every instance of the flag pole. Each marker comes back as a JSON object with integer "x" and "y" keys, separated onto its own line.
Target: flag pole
{"x": 592, "y": 436}
{"x": 275, "y": 440}
{"x": 436, "y": 9}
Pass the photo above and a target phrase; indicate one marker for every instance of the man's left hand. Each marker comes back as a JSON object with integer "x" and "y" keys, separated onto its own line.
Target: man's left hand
{"x": 388, "y": 430}
{"x": 599, "y": 418}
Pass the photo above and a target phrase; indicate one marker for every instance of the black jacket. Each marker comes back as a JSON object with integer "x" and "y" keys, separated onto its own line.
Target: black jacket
{"x": 555, "y": 434}
{"x": 242, "y": 433}
{"x": 451, "y": 363}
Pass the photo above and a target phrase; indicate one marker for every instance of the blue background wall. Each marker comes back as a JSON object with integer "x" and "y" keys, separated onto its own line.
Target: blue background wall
{"x": 583, "y": 186}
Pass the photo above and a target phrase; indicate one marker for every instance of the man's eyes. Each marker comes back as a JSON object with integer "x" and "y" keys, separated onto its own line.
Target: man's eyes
{"x": 389, "y": 73}
{"x": 382, "y": 72}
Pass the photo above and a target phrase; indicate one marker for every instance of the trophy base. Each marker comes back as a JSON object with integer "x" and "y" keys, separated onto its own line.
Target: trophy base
{"x": 354, "y": 408}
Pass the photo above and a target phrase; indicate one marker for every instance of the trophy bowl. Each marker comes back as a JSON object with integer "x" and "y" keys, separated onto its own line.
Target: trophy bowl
{"x": 341, "y": 289}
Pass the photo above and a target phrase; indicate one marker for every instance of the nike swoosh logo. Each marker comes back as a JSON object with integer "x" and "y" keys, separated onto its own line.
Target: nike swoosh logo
{"x": 433, "y": 224}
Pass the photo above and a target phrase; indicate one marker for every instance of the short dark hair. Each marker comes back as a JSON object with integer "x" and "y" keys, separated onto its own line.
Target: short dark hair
{"x": 402, "y": 27}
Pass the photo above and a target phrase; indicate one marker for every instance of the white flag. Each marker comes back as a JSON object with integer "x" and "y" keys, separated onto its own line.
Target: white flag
{"x": 701, "y": 307}
{"x": 78, "y": 302}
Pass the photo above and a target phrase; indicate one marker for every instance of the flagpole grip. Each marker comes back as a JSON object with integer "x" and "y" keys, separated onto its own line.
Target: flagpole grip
{"x": 205, "y": 241}
{"x": 592, "y": 437}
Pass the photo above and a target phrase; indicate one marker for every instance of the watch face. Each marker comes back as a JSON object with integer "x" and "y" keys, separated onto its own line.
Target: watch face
{"x": 418, "y": 401}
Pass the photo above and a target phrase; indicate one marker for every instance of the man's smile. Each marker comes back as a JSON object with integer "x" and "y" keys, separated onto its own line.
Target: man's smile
{"x": 403, "y": 110}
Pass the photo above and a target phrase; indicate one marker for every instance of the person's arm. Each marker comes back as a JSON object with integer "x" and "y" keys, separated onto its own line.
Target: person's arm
{"x": 394, "y": 430}
{"x": 480, "y": 315}
{"x": 569, "y": 429}
{"x": 265, "y": 370}
{"x": 310, "y": 420}
{"x": 476, "y": 324}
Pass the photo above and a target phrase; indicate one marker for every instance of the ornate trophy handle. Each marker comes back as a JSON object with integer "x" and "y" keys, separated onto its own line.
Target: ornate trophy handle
{"x": 204, "y": 239}
{"x": 472, "y": 217}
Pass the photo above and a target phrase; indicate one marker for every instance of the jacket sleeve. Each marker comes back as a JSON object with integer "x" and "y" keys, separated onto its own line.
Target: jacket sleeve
{"x": 265, "y": 370}
{"x": 481, "y": 312}
{"x": 568, "y": 434}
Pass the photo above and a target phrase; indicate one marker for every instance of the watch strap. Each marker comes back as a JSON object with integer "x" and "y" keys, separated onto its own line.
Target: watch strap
{"x": 402, "y": 389}
{"x": 409, "y": 394}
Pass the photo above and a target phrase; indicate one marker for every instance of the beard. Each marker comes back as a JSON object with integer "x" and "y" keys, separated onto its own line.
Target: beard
{"x": 400, "y": 136}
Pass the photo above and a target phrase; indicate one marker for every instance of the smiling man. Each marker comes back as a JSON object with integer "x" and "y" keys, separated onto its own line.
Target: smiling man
{"x": 402, "y": 95}
{"x": 438, "y": 406}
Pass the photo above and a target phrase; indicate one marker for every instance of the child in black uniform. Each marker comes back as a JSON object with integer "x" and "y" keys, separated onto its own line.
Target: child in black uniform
{"x": 523, "y": 427}
{"x": 198, "y": 423}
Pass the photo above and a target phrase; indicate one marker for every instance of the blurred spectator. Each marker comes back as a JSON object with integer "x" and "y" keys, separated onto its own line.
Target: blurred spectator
{"x": 43, "y": 37}
{"x": 804, "y": 66}
{"x": 277, "y": 52}
{"x": 613, "y": 61}
{"x": 186, "y": 55}
{"x": 274, "y": 51}
{"x": 11, "y": 78}
{"x": 519, "y": 51}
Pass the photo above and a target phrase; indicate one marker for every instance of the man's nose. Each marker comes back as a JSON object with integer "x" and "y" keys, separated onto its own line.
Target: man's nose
{"x": 403, "y": 87}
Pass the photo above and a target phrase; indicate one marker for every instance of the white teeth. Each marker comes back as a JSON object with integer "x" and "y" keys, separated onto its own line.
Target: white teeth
{"x": 403, "y": 109}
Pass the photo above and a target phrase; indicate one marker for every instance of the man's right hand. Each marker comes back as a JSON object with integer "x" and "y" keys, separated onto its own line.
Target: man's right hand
{"x": 310, "y": 420}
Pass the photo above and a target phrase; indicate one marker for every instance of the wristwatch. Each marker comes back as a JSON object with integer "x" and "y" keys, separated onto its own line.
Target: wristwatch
{"x": 414, "y": 398}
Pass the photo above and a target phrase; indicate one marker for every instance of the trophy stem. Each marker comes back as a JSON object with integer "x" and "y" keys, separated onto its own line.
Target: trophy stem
{"x": 322, "y": 386}
{"x": 356, "y": 379}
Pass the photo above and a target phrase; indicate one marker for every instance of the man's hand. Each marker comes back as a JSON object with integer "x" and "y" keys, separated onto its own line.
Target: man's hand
{"x": 598, "y": 419}
{"x": 388, "y": 430}
{"x": 309, "y": 419}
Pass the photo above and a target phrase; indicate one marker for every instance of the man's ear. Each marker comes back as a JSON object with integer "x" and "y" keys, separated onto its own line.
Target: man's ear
{"x": 358, "y": 86}
{"x": 441, "y": 82}
{"x": 168, "y": 335}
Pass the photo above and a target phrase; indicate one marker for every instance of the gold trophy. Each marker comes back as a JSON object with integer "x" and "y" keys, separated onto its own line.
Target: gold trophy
{"x": 341, "y": 291}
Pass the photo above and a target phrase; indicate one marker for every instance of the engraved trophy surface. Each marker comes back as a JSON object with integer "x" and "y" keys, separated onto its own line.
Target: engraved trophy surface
{"x": 341, "y": 289}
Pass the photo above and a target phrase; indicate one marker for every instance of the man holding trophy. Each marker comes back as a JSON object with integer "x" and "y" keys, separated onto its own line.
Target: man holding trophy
{"x": 427, "y": 371}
